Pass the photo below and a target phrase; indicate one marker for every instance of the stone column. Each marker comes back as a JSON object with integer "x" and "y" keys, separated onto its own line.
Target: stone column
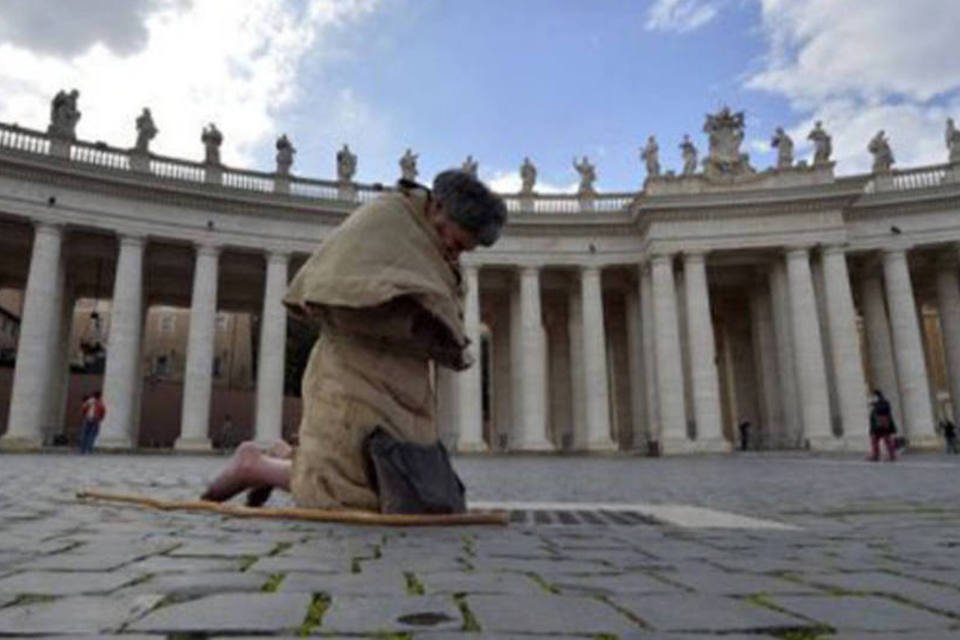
{"x": 635, "y": 348}
{"x": 883, "y": 371}
{"x": 652, "y": 413}
{"x": 532, "y": 355}
{"x": 195, "y": 417}
{"x": 791, "y": 429}
{"x": 596, "y": 383}
{"x": 670, "y": 385}
{"x": 578, "y": 401}
{"x": 469, "y": 383}
{"x": 845, "y": 348}
{"x": 765, "y": 361}
{"x": 908, "y": 350}
{"x": 39, "y": 331}
{"x": 703, "y": 357}
{"x": 272, "y": 352}
{"x": 948, "y": 301}
{"x": 60, "y": 378}
{"x": 121, "y": 381}
{"x": 808, "y": 352}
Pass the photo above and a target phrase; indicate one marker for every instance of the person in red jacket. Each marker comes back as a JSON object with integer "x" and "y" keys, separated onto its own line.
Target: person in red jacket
{"x": 93, "y": 411}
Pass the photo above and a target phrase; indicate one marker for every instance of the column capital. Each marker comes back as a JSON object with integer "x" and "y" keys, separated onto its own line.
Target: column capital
{"x": 48, "y": 228}
{"x": 590, "y": 269}
{"x": 834, "y": 249}
{"x": 528, "y": 271}
{"x": 661, "y": 258}
{"x": 694, "y": 255}
{"x": 796, "y": 251}
{"x": 277, "y": 256}
{"x": 131, "y": 239}
{"x": 207, "y": 249}
{"x": 893, "y": 253}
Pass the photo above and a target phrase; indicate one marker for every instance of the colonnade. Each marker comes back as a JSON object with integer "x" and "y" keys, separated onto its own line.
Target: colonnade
{"x": 803, "y": 325}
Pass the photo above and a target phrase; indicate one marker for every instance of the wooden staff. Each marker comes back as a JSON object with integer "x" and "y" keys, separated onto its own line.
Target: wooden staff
{"x": 350, "y": 516}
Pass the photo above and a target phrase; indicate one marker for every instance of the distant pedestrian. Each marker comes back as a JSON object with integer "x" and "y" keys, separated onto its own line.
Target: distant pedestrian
{"x": 744, "y": 435}
{"x": 949, "y": 431}
{"x": 93, "y": 411}
{"x": 882, "y": 427}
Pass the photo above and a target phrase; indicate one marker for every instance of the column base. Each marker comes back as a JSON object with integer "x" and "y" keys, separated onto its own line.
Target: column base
{"x": 926, "y": 442}
{"x": 472, "y": 447}
{"x": 604, "y": 445}
{"x": 193, "y": 445}
{"x": 534, "y": 446}
{"x": 859, "y": 443}
{"x": 712, "y": 445}
{"x": 674, "y": 446}
{"x": 15, "y": 443}
{"x": 826, "y": 443}
{"x": 115, "y": 444}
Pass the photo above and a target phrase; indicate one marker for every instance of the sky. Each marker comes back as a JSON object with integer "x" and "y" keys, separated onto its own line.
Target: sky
{"x": 498, "y": 79}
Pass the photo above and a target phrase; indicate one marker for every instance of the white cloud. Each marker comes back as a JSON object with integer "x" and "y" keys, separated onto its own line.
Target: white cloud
{"x": 231, "y": 63}
{"x": 680, "y": 16}
{"x": 863, "y": 66}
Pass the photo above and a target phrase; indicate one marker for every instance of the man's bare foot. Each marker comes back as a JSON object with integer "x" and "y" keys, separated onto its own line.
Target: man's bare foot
{"x": 237, "y": 476}
{"x": 280, "y": 449}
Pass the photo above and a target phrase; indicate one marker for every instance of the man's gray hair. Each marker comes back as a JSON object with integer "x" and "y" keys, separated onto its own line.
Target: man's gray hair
{"x": 471, "y": 204}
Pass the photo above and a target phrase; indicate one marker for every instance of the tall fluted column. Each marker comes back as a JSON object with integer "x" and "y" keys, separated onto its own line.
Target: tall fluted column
{"x": 670, "y": 385}
{"x": 121, "y": 380}
{"x": 791, "y": 427}
{"x": 195, "y": 417}
{"x": 60, "y": 367}
{"x": 596, "y": 385}
{"x": 578, "y": 421}
{"x": 647, "y": 336}
{"x": 469, "y": 384}
{"x": 883, "y": 369}
{"x": 908, "y": 350}
{"x": 272, "y": 353}
{"x": 765, "y": 362}
{"x": 533, "y": 379}
{"x": 703, "y": 357}
{"x": 845, "y": 347}
{"x": 635, "y": 349}
{"x": 39, "y": 331}
{"x": 808, "y": 352}
{"x": 948, "y": 301}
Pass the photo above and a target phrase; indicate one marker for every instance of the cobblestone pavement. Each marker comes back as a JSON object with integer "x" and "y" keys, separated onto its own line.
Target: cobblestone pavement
{"x": 870, "y": 551}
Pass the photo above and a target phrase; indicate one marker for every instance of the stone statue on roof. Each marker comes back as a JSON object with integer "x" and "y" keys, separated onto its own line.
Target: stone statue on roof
{"x": 285, "y": 153}
{"x": 528, "y": 176}
{"x": 650, "y": 154}
{"x": 146, "y": 131}
{"x": 879, "y": 146}
{"x": 952, "y": 136}
{"x": 408, "y": 166}
{"x": 784, "y": 146}
{"x": 346, "y": 164}
{"x": 470, "y": 166}
{"x": 212, "y": 139}
{"x": 689, "y": 153}
{"x": 588, "y": 174}
{"x": 64, "y": 115}
{"x": 822, "y": 144}
{"x": 725, "y": 131}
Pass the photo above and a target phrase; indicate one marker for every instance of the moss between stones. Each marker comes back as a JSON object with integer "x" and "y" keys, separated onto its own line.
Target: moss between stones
{"x": 273, "y": 582}
{"x": 247, "y": 561}
{"x": 414, "y": 586}
{"x": 546, "y": 586}
{"x": 280, "y": 548}
{"x": 470, "y": 622}
{"x": 318, "y": 607}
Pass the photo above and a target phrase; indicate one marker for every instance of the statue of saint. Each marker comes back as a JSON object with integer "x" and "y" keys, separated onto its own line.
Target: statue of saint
{"x": 146, "y": 131}
{"x": 212, "y": 139}
{"x": 528, "y": 176}
{"x": 822, "y": 144}
{"x": 882, "y": 154}
{"x": 408, "y": 166}
{"x": 470, "y": 166}
{"x": 689, "y": 152}
{"x": 725, "y": 131}
{"x": 784, "y": 146}
{"x": 651, "y": 157}
{"x": 953, "y": 141}
{"x": 588, "y": 174}
{"x": 64, "y": 115}
{"x": 285, "y": 151}
{"x": 346, "y": 165}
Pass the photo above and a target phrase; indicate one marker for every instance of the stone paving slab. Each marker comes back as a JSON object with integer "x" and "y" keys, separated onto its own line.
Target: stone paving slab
{"x": 74, "y": 615}
{"x": 703, "y": 579}
{"x": 391, "y": 614}
{"x": 380, "y": 583}
{"x": 282, "y": 564}
{"x": 612, "y": 584}
{"x": 63, "y": 583}
{"x": 225, "y": 613}
{"x": 863, "y": 613}
{"x": 690, "y": 612}
{"x": 166, "y": 564}
{"x": 931, "y": 596}
{"x": 182, "y": 586}
{"x": 547, "y": 614}
{"x": 478, "y": 582}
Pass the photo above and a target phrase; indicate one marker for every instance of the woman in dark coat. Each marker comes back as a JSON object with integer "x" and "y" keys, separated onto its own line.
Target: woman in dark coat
{"x": 882, "y": 427}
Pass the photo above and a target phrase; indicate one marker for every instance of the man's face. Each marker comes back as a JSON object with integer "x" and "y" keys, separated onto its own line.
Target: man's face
{"x": 454, "y": 237}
